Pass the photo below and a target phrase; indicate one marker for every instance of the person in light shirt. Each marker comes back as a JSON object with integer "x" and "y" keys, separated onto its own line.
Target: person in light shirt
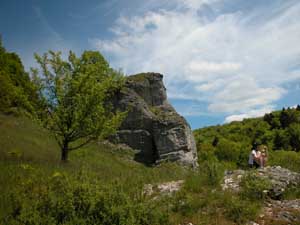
{"x": 254, "y": 158}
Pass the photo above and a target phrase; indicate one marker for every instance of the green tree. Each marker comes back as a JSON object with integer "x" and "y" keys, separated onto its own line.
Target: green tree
{"x": 227, "y": 150}
{"x": 76, "y": 96}
{"x": 272, "y": 120}
{"x": 281, "y": 140}
{"x": 260, "y": 128}
{"x": 288, "y": 116}
{"x": 16, "y": 89}
{"x": 294, "y": 132}
{"x": 215, "y": 141}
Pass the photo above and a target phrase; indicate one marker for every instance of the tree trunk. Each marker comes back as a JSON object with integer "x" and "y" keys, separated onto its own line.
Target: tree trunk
{"x": 65, "y": 151}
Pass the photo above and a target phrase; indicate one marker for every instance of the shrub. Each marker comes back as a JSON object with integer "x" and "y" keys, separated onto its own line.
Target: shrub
{"x": 243, "y": 157}
{"x": 17, "y": 91}
{"x": 253, "y": 187}
{"x": 227, "y": 150}
{"x": 187, "y": 204}
{"x": 206, "y": 152}
{"x": 194, "y": 183}
{"x": 294, "y": 132}
{"x": 60, "y": 199}
{"x": 292, "y": 193}
{"x": 211, "y": 172}
{"x": 240, "y": 210}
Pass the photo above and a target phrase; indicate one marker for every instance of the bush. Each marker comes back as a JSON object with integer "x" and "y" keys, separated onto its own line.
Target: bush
{"x": 240, "y": 210}
{"x": 206, "y": 152}
{"x": 194, "y": 183}
{"x": 65, "y": 200}
{"x": 211, "y": 172}
{"x": 186, "y": 204}
{"x": 17, "y": 91}
{"x": 227, "y": 150}
{"x": 242, "y": 161}
{"x": 292, "y": 193}
{"x": 294, "y": 132}
{"x": 253, "y": 187}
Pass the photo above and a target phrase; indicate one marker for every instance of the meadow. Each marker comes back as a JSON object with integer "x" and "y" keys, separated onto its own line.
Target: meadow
{"x": 102, "y": 184}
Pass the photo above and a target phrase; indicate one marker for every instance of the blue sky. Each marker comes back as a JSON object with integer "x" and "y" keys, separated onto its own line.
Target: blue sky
{"x": 222, "y": 60}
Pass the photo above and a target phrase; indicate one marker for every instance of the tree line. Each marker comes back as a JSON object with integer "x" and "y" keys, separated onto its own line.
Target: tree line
{"x": 279, "y": 131}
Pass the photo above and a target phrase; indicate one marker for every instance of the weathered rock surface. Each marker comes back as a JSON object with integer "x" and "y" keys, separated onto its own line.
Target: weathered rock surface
{"x": 166, "y": 188}
{"x": 280, "y": 212}
{"x": 152, "y": 124}
{"x": 279, "y": 177}
{"x": 275, "y": 211}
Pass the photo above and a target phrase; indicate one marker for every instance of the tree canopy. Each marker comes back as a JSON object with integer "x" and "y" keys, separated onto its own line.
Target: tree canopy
{"x": 279, "y": 130}
{"x": 17, "y": 92}
{"x": 76, "y": 96}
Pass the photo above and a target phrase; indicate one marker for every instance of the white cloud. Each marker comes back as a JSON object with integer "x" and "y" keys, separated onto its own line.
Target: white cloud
{"x": 196, "y": 4}
{"x": 251, "y": 114}
{"x": 234, "y": 62}
{"x": 243, "y": 94}
{"x": 211, "y": 67}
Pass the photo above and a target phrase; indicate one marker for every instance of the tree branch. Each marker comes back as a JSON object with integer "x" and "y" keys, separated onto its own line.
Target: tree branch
{"x": 81, "y": 145}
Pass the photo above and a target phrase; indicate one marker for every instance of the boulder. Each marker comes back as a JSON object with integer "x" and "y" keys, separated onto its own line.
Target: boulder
{"x": 152, "y": 125}
{"x": 280, "y": 178}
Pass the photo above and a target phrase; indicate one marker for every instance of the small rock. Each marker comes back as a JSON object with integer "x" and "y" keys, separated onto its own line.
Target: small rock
{"x": 252, "y": 223}
{"x": 163, "y": 188}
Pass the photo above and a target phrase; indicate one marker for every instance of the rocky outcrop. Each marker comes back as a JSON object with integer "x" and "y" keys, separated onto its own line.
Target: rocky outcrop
{"x": 275, "y": 210}
{"x": 280, "y": 212}
{"x": 280, "y": 179}
{"x": 152, "y": 125}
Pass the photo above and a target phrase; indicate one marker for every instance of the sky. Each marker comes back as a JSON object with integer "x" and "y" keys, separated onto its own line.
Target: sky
{"x": 222, "y": 60}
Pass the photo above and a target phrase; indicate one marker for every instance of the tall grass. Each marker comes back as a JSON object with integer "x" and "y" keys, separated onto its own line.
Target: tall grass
{"x": 102, "y": 184}
{"x": 286, "y": 159}
{"x": 26, "y": 150}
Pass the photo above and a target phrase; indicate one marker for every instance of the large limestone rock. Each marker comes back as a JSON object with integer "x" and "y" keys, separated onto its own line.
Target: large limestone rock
{"x": 152, "y": 124}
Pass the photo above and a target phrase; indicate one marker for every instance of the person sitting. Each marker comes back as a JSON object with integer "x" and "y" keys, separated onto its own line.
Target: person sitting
{"x": 254, "y": 158}
{"x": 264, "y": 156}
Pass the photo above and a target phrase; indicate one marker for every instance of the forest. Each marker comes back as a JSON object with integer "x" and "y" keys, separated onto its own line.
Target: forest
{"x": 278, "y": 130}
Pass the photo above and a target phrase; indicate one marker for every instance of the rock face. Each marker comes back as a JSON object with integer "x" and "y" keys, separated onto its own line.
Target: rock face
{"x": 275, "y": 210}
{"x": 152, "y": 124}
{"x": 281, "y": 212}
{"x": 280, "y": 179}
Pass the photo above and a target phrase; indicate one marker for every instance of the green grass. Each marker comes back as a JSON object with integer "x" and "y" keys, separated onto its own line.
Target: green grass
{"x": 26, "y": 147}
{"x": 22, "y": 141}
{"x": 287, "y": 159}
{"x": 30, "y": 166}
{"x": 141, "y": 77}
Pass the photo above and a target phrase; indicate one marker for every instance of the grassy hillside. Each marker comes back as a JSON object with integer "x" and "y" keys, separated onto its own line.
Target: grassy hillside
{"x": 103, "y": 183}
{"x": 29, "y": 152}
{"x": 232, "y": 143}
